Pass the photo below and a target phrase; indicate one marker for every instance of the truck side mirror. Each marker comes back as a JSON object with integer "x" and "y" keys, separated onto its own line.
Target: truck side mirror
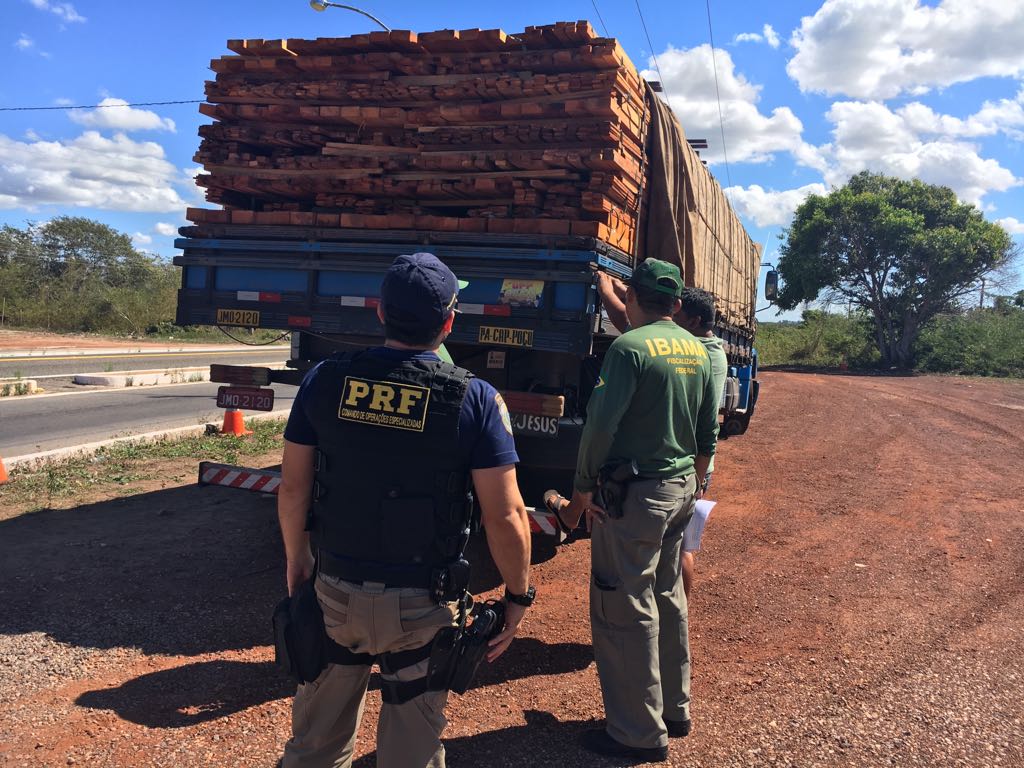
{"x": 771, "y": 285}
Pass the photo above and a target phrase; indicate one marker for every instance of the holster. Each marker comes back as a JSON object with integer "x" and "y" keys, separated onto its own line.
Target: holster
{"x": 612, "y": 485}
{"x": 458, "y": 651}
{"x": 302, "y": 648}
{"x": 299, "y": 635}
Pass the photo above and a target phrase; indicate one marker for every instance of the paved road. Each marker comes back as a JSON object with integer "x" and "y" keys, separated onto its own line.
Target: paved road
{"x": 105, "y": 362}
{"x": 31, "y": 424}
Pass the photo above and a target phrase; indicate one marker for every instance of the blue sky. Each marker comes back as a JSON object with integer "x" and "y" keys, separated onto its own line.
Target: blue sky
{"x": 811, "y": 92}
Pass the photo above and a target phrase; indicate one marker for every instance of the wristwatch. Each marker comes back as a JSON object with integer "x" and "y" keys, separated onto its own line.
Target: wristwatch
{"x": 525, "y": 600}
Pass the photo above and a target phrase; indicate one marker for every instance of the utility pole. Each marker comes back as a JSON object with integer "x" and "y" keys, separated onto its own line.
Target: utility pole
{"x": 981, "y": 300}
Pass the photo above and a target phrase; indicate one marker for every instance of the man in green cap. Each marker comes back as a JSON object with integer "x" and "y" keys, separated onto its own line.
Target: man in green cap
{"x": 654, "y": 408}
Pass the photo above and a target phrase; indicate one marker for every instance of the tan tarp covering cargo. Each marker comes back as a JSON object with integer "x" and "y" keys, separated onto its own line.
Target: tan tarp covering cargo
{"x": 690, "y": 222}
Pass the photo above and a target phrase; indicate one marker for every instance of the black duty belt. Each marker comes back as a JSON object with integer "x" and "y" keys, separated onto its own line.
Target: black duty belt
{"x": 358, "y": 572}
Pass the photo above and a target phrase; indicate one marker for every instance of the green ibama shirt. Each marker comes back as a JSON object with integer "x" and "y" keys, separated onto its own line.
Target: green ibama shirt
{"x": 655, "y": 402}
{"x": 719, "y": 370}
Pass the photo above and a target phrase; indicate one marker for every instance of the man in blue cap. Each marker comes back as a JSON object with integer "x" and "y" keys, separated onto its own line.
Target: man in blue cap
{"x": 383, "y": 446}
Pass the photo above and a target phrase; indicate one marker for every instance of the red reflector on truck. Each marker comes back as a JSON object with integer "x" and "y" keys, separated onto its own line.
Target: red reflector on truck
{"x": 499, "y": 310}
{"x": 264, "y": 296}
{"x": 299, "y": 322}
{"x": 362, "y": 302}
{"x": 534, "y": 404}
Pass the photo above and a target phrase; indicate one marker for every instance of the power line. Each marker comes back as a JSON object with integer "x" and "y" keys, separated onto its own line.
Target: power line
{"x": 650, "y": 45}
{"x": 598, "y": 12}
{"x": 102, "y": 106}
{"x": 718, "y": 93}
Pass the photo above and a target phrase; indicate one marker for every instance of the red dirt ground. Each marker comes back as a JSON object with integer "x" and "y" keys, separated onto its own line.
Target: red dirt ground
{"x": 12, "y": 340}
{"x": 859, "y": 601}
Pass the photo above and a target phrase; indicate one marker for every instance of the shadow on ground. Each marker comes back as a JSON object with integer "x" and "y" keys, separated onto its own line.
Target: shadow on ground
{"x": 182, "y": 571}
{"x": 196, "y": 693}
{"x": 543, "y": 740}
{"x": 192, "y": 694}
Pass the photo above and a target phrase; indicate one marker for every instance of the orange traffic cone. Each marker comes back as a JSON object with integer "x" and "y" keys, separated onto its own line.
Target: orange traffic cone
{"x": 3, "y": 472}
{"x": 234, "y": 424}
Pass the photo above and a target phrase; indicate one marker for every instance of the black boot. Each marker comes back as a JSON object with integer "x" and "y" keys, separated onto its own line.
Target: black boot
{"x": 600, "y": 742}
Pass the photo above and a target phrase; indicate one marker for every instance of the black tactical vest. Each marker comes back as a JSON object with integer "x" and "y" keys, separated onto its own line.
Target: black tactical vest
{"x": 391, "y": 489}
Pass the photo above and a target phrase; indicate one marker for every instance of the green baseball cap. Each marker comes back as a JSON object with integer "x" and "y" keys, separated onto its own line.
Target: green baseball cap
{"x": 657, "y": 275}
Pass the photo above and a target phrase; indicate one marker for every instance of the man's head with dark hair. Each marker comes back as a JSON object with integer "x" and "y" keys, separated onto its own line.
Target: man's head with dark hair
{"x": 418, "y": 300}
{"x": 655, "y": 287}
{"x": 654, "y": 302}
{"x": 697, "y": 313}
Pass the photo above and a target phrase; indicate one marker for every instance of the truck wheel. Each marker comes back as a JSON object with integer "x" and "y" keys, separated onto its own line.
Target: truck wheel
{"x": 735, "y": 425}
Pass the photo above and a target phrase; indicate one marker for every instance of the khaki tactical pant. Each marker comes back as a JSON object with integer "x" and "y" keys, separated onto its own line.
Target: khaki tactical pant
{"x": 326, "y": 712}
{"x": 638, "y": 612}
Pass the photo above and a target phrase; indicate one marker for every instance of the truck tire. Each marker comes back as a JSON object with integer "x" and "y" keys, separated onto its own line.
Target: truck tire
{"x": 732, "y": 394}
{"x": 735, "y": 425}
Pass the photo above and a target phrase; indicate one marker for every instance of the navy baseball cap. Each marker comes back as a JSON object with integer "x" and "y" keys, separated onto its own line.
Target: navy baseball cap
{"x": 419, "y": 291}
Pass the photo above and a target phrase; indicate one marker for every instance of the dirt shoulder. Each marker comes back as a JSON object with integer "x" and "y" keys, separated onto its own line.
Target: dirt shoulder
{"x": 20, "y": 340}
{"x": 12, "y": 340}
{"x": 859, "y": 601}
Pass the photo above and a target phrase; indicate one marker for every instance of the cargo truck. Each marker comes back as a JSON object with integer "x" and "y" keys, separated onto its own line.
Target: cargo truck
{"x": 530, "y": 320}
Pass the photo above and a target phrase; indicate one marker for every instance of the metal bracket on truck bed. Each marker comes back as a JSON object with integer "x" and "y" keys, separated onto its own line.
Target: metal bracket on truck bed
{"x": 269, "y": 481}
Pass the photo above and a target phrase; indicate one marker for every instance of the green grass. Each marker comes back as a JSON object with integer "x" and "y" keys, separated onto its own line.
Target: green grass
{"x": 211, "y": 334}
{"x": 117, "y": 467}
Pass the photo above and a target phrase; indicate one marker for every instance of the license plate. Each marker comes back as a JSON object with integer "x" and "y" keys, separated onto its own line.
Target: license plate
{"x": 534, "y": 426}
{"x": 245, "y": 398}
{"x": 249, "y": 318}
{"x": 507, "y": 337}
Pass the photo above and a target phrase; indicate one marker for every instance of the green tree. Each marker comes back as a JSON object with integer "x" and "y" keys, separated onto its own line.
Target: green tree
{"x": 76, "y": 274}
{"x": 902, "y": 251}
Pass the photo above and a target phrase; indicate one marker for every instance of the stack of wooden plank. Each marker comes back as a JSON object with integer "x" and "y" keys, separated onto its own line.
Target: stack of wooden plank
{"x": 473, "y": 131}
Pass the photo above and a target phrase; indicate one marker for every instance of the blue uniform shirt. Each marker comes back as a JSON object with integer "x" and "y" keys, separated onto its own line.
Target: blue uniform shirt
{"x": 485, "y": 430}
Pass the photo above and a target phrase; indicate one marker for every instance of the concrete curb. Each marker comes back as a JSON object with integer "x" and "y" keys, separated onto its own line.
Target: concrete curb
{"x": 153, "y": 377}
{"x": 37, "y": 460}
{"x": 9, "y": 387}
{"x": 144, "y": 378}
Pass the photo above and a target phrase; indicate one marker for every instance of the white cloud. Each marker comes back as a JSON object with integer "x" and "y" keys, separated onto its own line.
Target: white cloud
{"x": 748, "y": 37}
{"x": 115, "y": 115}
{"x": 1011, "y": 225}
{"x": 751, "y": 136}
{"x": 140, "y": 238}
{"x": 24, "y": 42}
{"x": 165, "y": 229}
{"x": 63, "y": 102}
{"x": 769, "y": 207}
{"x": 63, "y": 11}
{"x": 878, "y": 49}
{"x": 766, "y": 35}
{"x": 912, "y": 142}
{"x": 89, "y": 171}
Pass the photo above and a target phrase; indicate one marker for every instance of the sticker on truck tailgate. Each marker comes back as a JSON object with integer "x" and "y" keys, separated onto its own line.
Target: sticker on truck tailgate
{"x": 249, "y": 318}
{"x": 534, "y": 426}
{"x": 508, "y": 337}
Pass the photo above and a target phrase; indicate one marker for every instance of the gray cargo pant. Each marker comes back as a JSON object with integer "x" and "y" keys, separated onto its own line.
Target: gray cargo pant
{"x": 326, "y": 712}
{"x": 638, "y": 611}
